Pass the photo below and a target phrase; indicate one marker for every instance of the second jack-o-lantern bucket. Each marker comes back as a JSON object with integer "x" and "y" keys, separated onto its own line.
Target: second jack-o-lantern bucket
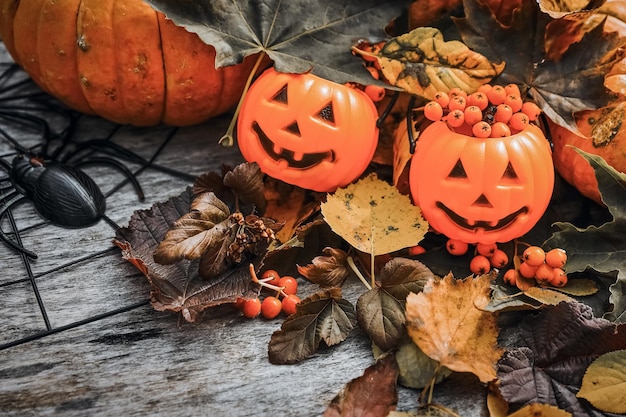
{"x": 481, "y": 190}
{"x": 306, "y": 130}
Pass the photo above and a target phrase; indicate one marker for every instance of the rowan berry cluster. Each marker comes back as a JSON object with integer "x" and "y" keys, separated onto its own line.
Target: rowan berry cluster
{"x": 546, "y": 268}
{"x": 491, "y": 111}
{"x": 281, "y": 296}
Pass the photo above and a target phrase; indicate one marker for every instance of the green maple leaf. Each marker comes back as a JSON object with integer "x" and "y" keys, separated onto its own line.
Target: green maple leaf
{"x": 560, "y": 87}
{"x": 603, "y": 247}
{"x": 297, "y": 35}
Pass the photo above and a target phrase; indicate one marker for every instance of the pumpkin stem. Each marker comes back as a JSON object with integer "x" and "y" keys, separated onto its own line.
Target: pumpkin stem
{"x": 228, "y": 139}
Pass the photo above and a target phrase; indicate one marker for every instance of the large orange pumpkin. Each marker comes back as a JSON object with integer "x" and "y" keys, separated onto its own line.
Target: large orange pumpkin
{"x": 481, "y": 190}
{"x": 604, "y": 134}
{"x": 119, "y": 59}
{"x": 306, "y": 130}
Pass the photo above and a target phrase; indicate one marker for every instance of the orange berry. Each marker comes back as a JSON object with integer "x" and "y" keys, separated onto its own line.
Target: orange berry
{"x": 500, "y": 130}
{"x": 484, "y": 88}
{"x": 503, "y": 113}
{"x": 481, "y": 129}
{"x": 457, "y": 103}
{"x": 514, "y": 101}
{"x": 433, "y": 111}
{"x": 486, "y": 249}
{"x": 512, "y": 89}
{"x": 556, "y": 258}
{"x": 375, "y": 92}
{"x": 457, "y": 92}
{"x": 531, "y": 110}
{"x": 480, "y": 265}
{"x": 544, "y": 273}
{"x": 527, "y": 271}
{"x": 496, "y": 95}
{"x": 442, "y": 98}
{"x": 519, "y": 121}
{"x": 456, "y": 247}
{"x": 478, "y": 99}
{"x": 455, "y": 118}
{"x": 534, "y": 256}
{"x": 499, "y": 259}
{"x": 559, "y": 278}
{"x": 473, "y": 114}
{"x": 510, "y": 277}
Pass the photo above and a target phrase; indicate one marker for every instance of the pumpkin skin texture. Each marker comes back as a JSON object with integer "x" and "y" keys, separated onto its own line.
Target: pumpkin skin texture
{"x": 604, "y": 135}
{"x": 481, "y": 190}
{"x": 120, "y": 59}
{"x": 307, "y": 131}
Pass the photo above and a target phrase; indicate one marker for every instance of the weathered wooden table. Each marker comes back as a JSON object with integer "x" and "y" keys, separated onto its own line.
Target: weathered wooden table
{"x": 78, "y": 336}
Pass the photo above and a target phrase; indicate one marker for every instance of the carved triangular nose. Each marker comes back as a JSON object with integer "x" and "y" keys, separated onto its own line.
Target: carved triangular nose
{"x": 482, "y": 201}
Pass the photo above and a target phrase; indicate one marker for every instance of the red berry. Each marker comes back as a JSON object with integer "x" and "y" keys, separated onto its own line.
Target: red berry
{"x": 496, "y": 95}
{"x": 544, "y": 273}
{"x": 473, "y": 114}
{"x": 527, "y": 271}
{"x": 519, "y": 121}
{"x": 289, "y": 303}
{"x": 510, "y": 277}
{"x": 514, "y": 101}
{"x": 251, "y": 307}
{"x": 442, "y": 98}
{"x": 559, "y": 278}
{"x": 478, "y": 99}
{"x": 271, "y": 273}
{"x": 500, "y": 130}
{"x": 271, "y": 307}
{"x": 416, "y": 250}
{"x": 503, "y": 113}
{"x": 512, "y": 89}
{"x": 290, "y": 284}
{"x": 531, "y": 110}
{"x": 457, "y": 103}
{"x": 455, "y": 118}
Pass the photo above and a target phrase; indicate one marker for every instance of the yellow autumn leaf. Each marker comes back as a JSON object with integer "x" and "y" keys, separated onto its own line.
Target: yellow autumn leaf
{"x": 373, "y": 217}
{"x": 540, "y": 410}
{"x": 546, "y": 296}
{"x": 448, "y": 322}
{"x": 604, "y": 383}
{"x": 421, "y": 62}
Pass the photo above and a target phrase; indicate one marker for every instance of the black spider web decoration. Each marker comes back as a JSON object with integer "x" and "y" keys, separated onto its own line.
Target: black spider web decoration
{"x": 40, "y": 124}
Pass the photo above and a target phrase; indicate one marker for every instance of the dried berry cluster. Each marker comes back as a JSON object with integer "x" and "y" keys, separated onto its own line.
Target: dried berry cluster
{"x": 491, "y": 111}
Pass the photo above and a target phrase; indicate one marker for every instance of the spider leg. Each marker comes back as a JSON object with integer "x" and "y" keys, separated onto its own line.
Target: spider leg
{"x": 10, "y": 200}
{"x": 118, "y": 165}
{"x": 100, "y": 144}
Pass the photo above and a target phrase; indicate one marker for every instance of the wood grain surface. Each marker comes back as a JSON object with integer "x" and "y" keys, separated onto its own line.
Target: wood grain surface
{"x": 78, "y": 337}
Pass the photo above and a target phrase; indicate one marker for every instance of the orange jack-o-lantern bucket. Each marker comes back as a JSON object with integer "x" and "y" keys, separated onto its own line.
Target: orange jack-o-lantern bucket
{"x": 482, "y": 190}
{"x": 306, "y": 130}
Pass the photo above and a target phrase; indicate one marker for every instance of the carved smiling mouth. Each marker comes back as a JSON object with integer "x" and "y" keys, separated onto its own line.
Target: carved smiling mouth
{"x": 308, "y": 160}
{"x": 481, "y": 224}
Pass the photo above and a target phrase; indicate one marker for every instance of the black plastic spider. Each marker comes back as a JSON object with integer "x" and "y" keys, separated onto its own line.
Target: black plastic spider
{"x": 52, "y": 181}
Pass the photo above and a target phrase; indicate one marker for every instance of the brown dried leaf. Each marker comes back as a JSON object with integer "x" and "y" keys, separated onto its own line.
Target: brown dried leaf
{"x": 204, "y": 226}
{"x": 246, "y": 182}
{"x": 560, "y": 8}
{"x": 323, "y": 316}
{"x": 381, "y": 310}
{"x": 177, "y": 287}
{"x": 446, "y": 320}
{"x": 373, "y": 394}
{"x": 327, "y": 271}
{"x": 540, "y": 410}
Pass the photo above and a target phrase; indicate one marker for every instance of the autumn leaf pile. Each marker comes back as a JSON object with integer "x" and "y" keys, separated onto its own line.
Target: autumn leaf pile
{"x": 552, "y": 352}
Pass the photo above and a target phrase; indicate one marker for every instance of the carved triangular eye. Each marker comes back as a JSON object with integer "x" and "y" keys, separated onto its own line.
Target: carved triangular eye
{"x": 327, "y": 113}
{"x": 293, "y": 128}
{"x": 482, "y": 201}
{"x": 509, "y": 172}
{"x": 458, "y": 171}
{"x": 281, "y": 96}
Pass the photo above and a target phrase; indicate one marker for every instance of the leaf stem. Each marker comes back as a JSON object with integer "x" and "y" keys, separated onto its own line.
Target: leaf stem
{"x": 228, "y": 139}
{"x": 358, "y": 273}
{"x": 264, "y": 282}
